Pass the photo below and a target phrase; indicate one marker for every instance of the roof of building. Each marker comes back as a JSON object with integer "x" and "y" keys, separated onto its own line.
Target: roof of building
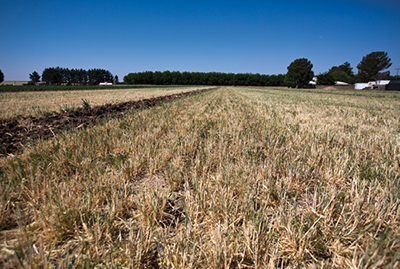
{"x": 341, "y": 83}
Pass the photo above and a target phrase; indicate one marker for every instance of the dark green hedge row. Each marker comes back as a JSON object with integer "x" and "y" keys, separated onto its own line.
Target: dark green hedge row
{"x": 58, "y": 75}
{"x": 199, "y": 78}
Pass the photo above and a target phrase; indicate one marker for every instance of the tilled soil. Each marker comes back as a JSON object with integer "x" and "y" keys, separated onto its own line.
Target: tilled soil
{"x": 15, "y": 134}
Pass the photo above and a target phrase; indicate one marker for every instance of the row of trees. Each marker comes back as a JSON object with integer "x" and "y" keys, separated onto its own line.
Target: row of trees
{"x": 370, "y": 68}
{"x": 200, "y": 78}
{"x": 58, "y": 75}
{"x": 299, "y": 74}
{"x": 300, "y": 71}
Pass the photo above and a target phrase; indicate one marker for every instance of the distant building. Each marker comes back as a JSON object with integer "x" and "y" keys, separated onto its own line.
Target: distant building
{"x": 393, "y": 85}
{"x": 313, "y": 81}
{"x": 341, "y": 83}
{"x": 382, "y": 82}
{"x": 361, "y": 86}
{"x": 379, "y": 84}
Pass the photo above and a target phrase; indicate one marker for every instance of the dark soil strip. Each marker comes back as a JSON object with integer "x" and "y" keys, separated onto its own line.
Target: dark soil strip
{"x": 15, "y": 133}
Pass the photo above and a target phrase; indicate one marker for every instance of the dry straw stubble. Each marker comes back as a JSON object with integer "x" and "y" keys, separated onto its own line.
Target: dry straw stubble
{"x": 232, "y": 178}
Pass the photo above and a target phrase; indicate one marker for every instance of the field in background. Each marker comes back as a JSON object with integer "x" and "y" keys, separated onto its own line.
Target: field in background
{"x": 41, "y": 88}
{"x": 230, "y": 178}
{"x": 39, "y": 103}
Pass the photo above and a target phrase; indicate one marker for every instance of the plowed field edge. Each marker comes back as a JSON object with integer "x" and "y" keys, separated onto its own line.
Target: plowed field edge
{"x": 14, "y": 134}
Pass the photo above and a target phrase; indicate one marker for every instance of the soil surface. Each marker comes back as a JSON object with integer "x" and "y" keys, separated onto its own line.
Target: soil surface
{"x": 14, "y": 134}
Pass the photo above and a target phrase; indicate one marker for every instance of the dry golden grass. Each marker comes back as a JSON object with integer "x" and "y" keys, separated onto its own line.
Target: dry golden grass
{"x": 232, "y": 178}
{"x": 36, "y": 104}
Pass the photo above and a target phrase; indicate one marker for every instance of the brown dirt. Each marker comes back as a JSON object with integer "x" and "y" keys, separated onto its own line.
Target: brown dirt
{"x": 15, "y": 133}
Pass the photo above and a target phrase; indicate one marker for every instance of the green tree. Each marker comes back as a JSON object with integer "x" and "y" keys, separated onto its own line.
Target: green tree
{"x": 370, "y": 66}
{"x": 116, "y": 79}
{"x": 34, "y": 77}
{"x": 346, "y": 67}
{"x": 201, "y": 78}
{"x": 276, "y": 80}
{"x": 52, "y": 75}
{"x": 157, "y": 78}
{"x": 338, "y": 74}
{"x": 65, "y": 75}
{"x": 1, "y": 76}
{"x": 82, "y": 76}
{"x": 96, "y": 76}
{"x": 73, "y": 76}
{"x": 299, "y": 73}
{"x": 325, "y": 79}
{"x": 343, "y": 72}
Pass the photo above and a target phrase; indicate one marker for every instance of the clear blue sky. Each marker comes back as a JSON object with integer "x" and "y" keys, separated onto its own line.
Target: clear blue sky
{"x": 223, "y": 36}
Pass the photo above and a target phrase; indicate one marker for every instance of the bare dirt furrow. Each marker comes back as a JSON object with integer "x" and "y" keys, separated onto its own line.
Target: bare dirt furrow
{"x": 14, "y": 134}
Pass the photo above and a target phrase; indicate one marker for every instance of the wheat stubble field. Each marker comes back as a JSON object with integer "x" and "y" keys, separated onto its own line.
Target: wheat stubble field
{"x": 229, "y": 178}
{"x": 39, "y": 103}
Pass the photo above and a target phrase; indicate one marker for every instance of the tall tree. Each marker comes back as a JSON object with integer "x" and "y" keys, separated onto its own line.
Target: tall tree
{"x": 299, "y": 73}
{"x": 82, "y": 76}
{"x": 325, "y": 79}
{"x": 346, "y": 67}
{"x": 338, "y": 74}
{"x": 96, "y": 76}
{"x": 1, "y": 76}
{"x": 65, "y": 75}
{"x": 73, "y": 76}
{"x": 34, "y": 77}
{"x": 53, "y": 75}
{"x": 370, "y": 66}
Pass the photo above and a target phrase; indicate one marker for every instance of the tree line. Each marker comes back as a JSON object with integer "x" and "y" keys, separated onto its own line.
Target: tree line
{"x": 299, "y": 74}
{"x": 201, "y": 78}
{"x": 58, "y": 76}
{"x": 370, "y": 68}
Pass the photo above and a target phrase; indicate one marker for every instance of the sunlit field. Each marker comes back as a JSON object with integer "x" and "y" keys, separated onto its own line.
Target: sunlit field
{"x": 229, "y": 178}
{"x": 39, "y": 103}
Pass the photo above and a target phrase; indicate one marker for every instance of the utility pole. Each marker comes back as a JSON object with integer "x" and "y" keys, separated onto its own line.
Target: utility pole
{"x": 397, "y": 74}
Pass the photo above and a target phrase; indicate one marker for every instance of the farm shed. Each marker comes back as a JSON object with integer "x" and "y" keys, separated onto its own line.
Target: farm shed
{"x": 382, "y": 82}
{"x": 360, "y": 86}
{"x": 394, "y": 85}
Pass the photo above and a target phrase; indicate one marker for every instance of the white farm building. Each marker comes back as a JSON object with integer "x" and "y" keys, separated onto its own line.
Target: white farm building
{"x": 372, "y": 84}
